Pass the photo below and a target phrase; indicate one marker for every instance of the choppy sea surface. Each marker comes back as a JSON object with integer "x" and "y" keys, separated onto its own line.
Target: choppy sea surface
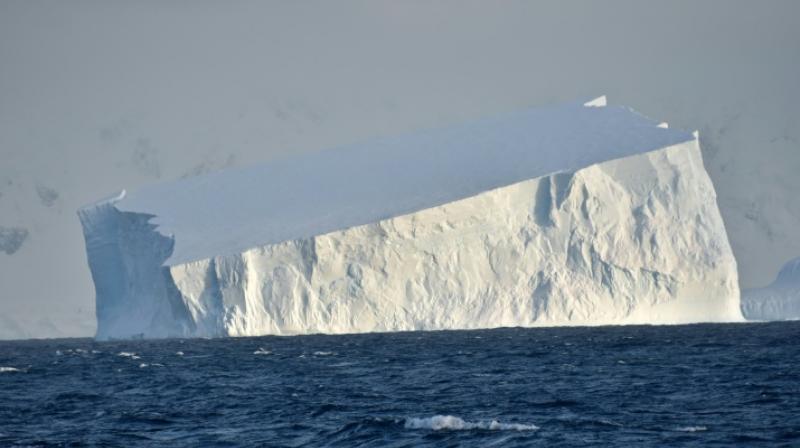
{"x": 695, "y": 385}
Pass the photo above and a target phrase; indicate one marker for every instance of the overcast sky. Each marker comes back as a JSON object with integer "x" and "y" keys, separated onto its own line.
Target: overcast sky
{"x": 96, "y": 96}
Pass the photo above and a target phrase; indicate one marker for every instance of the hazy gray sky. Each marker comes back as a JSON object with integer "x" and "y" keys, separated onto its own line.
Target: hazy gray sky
{"x": 96, "y": 96}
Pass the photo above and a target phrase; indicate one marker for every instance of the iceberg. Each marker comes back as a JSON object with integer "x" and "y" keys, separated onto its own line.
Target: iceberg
{"x": 578, "y": 214}
{"x": 778, "y": 301}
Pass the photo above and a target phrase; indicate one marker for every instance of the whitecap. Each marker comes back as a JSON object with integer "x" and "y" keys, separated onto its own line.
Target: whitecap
{"x": 608, "y": 422}
{"x": 127, "y": 354}
{"x": 452, "y": 423}
{"x": 324, "y": 353}
{"x": 262, "y": 351}
{"x": 143, "y": 365}
{"x": 691, "y": 429}
{"x": 179, "y": 353}
{"x": 9, "y": 369}
{"x": 343, "y": 364}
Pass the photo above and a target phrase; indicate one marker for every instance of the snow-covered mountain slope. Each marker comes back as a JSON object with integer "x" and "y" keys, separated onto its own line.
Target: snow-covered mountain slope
{"x": 778, "y": 301}
{"x": 578, "y": 214}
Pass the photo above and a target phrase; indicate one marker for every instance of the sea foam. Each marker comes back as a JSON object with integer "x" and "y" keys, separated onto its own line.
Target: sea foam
{"x": 452, "y": 423}
{"x": 691, "y": 429}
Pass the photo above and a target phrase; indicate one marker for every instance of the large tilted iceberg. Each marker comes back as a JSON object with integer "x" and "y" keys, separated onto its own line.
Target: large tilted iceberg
{"x": 581, "y": 214}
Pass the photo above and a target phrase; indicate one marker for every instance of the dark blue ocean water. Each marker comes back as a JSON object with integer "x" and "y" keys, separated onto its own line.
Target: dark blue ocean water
{"x": 698, "y": 385}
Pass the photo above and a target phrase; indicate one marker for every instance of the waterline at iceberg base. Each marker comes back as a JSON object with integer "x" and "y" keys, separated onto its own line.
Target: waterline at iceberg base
{"x": 582, "y": 214}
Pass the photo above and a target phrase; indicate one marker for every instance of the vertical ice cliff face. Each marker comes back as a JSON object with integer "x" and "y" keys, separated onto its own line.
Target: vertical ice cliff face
{"x": 628, "y": 233}
{"x": 777, "y": 301}
{"x": 636, "y": 240}
{"x": 126, "y": 257}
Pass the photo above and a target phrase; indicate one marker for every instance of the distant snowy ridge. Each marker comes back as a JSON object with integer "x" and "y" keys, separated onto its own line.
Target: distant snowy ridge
{"x": 572, "y": 215}
{"x": 778, "y": 301}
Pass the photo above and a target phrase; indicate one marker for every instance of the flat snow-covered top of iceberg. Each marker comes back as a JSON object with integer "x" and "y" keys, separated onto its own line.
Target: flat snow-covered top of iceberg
{"x": 319, "y": 192}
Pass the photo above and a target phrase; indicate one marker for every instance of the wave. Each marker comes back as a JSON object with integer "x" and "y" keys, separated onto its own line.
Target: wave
{"x": 343, "y": 364}
{"x": 452, "y": 423}
{"x": 131, "y": 355}
{"x": 691, "y": 429}
{"x": 153, "y": 364}
{"x": 262, "y": 351}
{"x": 9, "y": 369}
{"x": 324, "y": 353}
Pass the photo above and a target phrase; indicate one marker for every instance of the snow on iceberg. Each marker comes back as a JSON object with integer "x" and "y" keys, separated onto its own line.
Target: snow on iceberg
{"x": 580, "y": 214}
{"x": 778, "y": 301}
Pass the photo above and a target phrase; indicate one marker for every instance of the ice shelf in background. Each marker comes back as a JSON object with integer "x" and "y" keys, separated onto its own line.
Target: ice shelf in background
{"x": 778, "y": 301}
